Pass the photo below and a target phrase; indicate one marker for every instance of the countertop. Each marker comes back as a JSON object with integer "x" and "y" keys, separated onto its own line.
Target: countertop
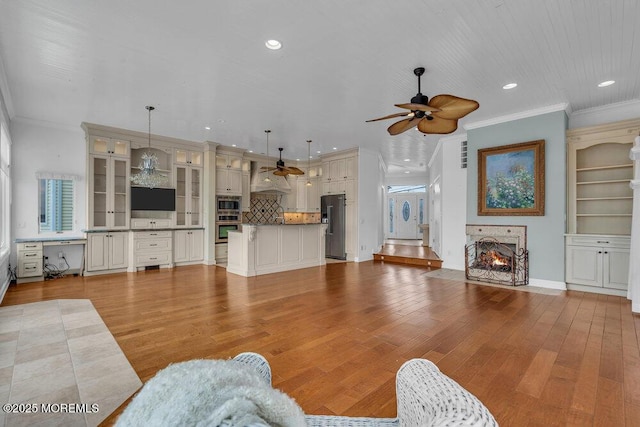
{"x": 272, "y": 224}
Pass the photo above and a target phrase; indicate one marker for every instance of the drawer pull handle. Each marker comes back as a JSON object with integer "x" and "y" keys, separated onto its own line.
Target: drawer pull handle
{"x": 602, "y": 241}
{"x": 153, "y": 244}
{"x": 153, "y": 234}
{"x": 153, "y": 258}
{"x": 31, "y": 255}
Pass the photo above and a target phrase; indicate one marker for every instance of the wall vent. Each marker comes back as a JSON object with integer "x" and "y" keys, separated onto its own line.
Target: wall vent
{"x": 463, "y": 155}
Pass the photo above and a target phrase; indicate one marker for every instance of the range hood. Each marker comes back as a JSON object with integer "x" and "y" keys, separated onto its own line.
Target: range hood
{"x": 278, "y": 184}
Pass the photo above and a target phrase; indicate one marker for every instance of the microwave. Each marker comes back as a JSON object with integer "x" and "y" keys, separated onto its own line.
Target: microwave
{"x": 228, "y": 203}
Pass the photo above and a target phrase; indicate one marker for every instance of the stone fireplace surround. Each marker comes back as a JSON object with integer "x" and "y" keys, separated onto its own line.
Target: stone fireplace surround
{"x": 510, "y": 235}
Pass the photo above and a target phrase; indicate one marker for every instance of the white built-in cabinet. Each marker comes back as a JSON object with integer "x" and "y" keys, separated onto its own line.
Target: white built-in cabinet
{"x": 228, "y": 174}
{"x": 599, "y": 207}
{"x": 119, "y": 238}
{"x": 108, "y": 170}
{"x": 107, "y": 251}
{"x": 246, "y": 185}
{"x": 308, "y": 196}
{"x": 188, "y": 195}
{"x": 188, "y": 246}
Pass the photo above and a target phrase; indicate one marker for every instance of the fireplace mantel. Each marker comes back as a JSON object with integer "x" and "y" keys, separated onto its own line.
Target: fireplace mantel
{"x": 512, "y": 234}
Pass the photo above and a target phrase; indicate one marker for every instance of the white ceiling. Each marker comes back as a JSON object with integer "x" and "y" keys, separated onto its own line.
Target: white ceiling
{"x": 204, "y": 63}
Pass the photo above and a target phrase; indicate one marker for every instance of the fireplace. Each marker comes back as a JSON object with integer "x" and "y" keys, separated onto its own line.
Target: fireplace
{"x": 497, "y": 254}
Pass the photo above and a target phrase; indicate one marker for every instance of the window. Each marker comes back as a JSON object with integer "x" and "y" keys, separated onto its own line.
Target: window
{"x": 406, "y": 189}
{"x": 56, "y": 197}
{"x": 5, "y": 189}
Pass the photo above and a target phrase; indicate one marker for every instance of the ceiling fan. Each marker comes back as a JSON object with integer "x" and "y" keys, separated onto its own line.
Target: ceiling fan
{"x": 439, "y": 115}
{"x": 281, "y": 169}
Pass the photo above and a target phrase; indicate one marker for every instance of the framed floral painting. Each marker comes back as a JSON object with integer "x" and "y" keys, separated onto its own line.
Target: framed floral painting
{"x": 511, "y": 179}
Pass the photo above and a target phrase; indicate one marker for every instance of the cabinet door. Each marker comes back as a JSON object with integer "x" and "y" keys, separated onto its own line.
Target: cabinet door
{"x": 98, "y": 205}
{"x": 115, "y": 147}
{"x": 313, "y": 196}
{"x": 246, "y": 192}
{"x": 118, "y": 249}
{"x": 120, "y": 194}
{"x": 616, "y": 268}
{"x": 301, "y": 195}
{"x": 222, "y": 186}
{"x": 97, "y": 252}
{"x": 180, "y": 248}
{"x": 195, "y": 203}
{"x": 196, "y": 245}
{"x": 351, "y": 167}
{"x": 350, "y": 190}
{"x": 350, "y": 228}
{"x": 181, "y": 195}
{"x": 234, "y": 181}
{"x": 584, "y": 265}
{"x": 338, "y": 170}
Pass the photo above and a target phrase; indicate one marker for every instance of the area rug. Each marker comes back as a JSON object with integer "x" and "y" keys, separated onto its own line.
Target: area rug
{"x": 60, "y": 365}
{"x": 459, "y": 276}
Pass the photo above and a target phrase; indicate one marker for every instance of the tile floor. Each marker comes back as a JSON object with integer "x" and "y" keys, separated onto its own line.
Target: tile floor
{"x": 61, "y": 351}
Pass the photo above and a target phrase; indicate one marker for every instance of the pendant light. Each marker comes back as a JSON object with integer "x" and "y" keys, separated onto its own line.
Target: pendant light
{"x": 309, "y": 163}
{"x": 268, "y": 131}
{"x": 149, "y": 176}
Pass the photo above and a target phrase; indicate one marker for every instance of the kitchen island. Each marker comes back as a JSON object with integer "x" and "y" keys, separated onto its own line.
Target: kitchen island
{"x": 270, "y": 248}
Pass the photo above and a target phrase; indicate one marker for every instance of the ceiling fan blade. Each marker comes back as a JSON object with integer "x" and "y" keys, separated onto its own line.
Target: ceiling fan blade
{"x": 403, "y": 125}
{"x": 418, "y": 107}
{"x": 281, "y": 172}
{"x": 437, "y": 125}
{"x": 267, "y": 168}
{"x": 452, "y": 107}
{"x": 390, "y": 116}
{"x": 292, "y": 170}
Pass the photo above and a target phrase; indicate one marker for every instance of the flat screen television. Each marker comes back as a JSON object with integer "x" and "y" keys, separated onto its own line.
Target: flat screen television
{"x": 153, "y": 199}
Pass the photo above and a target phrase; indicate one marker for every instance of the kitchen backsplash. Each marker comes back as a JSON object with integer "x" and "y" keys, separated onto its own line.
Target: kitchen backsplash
{"x": 266, "y": 209}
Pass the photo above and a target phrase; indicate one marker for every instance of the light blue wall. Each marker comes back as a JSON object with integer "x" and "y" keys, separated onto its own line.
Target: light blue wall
{"x": 545, "y": 234}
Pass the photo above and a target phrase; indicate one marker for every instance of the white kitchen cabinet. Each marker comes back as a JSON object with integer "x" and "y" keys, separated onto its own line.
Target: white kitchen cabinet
{"x": 188, "y": 246}
{"x": 151, "y": 248}
{"x": 29, "y": 262}
{"x": 221, "y": 252}
{"x": 229, "y": 161}
{"x": 187, "y": 157}
{"x": 150, "y": 223}
{"x": 229, "y": 182}
{"x": 598, "y": 263}
{"x": 108, "y": 192}
{"x": 107, "y": 251}
{"x": 109, "y": 146}
{"x": 246, "y": 192}
{"x": 308, "y": 197}
{"x": 188, "y": 196}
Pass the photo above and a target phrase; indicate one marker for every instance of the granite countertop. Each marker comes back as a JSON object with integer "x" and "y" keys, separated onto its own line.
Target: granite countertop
{"x": 271, "y": 223}
{"x": 49, "y": 239}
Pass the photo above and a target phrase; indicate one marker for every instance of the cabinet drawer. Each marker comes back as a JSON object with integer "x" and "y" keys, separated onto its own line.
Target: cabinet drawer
{"x": 30, "y": 246}
{"x": 600, "y": 241}
{"x": 138, "y": 223}
{"x": 152, "y": 234}
{"x": 153, "y": 244}
{"x": 30, "y": 268}
{"x": 153, "y": 258}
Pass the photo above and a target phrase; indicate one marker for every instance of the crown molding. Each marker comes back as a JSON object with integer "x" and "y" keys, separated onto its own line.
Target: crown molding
{"x": 517, "y": 116}
{"x": 46, "y": 124}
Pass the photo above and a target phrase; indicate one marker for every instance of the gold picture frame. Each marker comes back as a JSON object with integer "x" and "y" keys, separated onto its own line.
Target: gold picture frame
{"x": 511, "y": 180}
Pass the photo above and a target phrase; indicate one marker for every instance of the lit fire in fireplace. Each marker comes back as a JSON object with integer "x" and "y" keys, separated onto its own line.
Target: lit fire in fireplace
{"x": 497, "y": 259}
{"x": 492, "y": 259}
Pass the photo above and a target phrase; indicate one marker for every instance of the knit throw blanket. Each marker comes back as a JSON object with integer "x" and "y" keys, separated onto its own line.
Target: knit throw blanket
{"x": 223, "y": 393}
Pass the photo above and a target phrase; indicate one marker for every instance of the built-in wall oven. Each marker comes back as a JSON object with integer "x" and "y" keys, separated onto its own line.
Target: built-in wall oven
{"x": 228, "y": 216}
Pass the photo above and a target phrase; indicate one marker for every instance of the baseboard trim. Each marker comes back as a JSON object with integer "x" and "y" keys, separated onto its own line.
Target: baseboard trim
{"x": 548, "y": 284}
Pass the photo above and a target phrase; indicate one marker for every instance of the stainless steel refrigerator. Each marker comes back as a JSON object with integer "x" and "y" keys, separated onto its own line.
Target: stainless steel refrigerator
{"x": 332, "y": 210}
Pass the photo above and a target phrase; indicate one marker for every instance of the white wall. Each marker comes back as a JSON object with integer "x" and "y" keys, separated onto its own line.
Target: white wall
{"x": 37, "y": 148}
{"x": 445, "y": 164}
{"x": 605, "y": 114}
{"x": 370, "y": 216}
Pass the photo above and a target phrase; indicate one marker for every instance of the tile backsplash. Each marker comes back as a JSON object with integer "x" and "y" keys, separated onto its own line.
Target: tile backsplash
{"x": 266, "y": 209}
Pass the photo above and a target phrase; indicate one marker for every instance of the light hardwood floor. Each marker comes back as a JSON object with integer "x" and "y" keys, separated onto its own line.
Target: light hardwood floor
{"x": 336, "y": 335}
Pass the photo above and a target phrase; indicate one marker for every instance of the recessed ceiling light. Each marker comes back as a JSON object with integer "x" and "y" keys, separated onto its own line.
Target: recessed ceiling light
{"x": 335, "y": 148}
{"x": 318, "y": 152}
{"x": 233, "y": 145}
{"x": 251, "y": 151}
{"x": 509, "y": 85}
{"x": 273, "y": 44}
{"x": 407, "y": 160}
{"x": 407, "y": 172}
{"x": 606, "y": 83}
{"x": 207, "y": 127}
{"x": 297, "y": 160}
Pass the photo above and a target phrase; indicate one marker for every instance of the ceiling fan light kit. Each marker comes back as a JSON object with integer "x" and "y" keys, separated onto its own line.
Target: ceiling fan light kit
{"x": 280, "y": 169}
{"x": 439, "y": 115}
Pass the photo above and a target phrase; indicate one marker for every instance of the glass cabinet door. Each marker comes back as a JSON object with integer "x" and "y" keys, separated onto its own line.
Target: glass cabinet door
{"x": 181, "y": 195}
{"x": 99, "y": 194}
{"x": 120, "y": 192}
{"x": 195, "y": 196}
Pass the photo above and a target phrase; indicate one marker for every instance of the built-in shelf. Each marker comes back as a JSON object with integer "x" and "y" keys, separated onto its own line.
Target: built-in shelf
{"x": 604, "y": 215}
{"x": 587, "y": 199}
{"x": 611, "y": 181}
{"x": 596, "y": 168}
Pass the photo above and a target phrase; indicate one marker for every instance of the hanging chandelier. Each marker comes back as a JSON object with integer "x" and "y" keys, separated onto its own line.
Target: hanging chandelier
{"x": 309, "y": 163}
{"x": 149, "y": 175}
